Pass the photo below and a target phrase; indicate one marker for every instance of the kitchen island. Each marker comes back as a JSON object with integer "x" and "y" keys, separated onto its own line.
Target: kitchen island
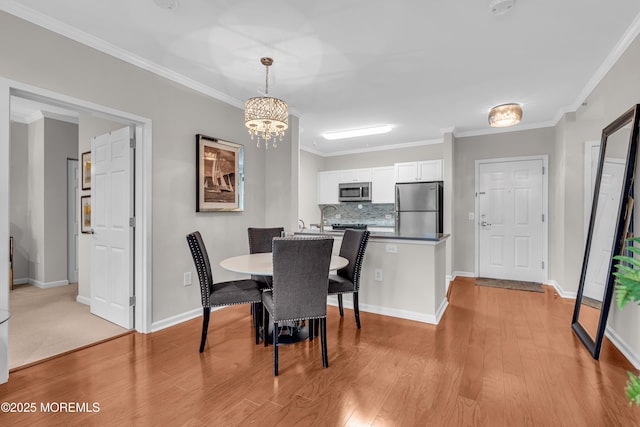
{"x": 402, "y": 275}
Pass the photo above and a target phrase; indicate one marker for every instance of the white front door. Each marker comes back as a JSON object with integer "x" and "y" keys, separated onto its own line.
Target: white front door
{"x": 510, "y": 218}
{"x": 112, "y": 238}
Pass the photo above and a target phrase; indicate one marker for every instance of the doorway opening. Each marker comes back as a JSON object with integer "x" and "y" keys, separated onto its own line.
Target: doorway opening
{"x": 511, "y": 208}
{"x": 141, "y": 199}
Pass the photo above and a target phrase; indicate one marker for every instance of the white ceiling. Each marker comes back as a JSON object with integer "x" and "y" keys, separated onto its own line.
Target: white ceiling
{"x": 424, "y": 67}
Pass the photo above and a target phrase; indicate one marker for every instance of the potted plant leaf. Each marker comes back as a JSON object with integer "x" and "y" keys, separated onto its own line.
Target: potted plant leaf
{"x": 627, "y": 290}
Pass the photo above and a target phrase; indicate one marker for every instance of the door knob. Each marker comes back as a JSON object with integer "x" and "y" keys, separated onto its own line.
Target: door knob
{"x": 485, "y": 224}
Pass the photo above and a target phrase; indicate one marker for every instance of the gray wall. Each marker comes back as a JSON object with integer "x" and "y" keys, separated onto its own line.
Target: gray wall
{"x": 467, "y": 151}
{"x": 60, "y": 144}
{"x": 618, "y": 91}
{"x": 310, "y": 165}
{"x": 35, "y": 136}
{"x": 19, "y": 201}
{"x": 35, "y": 56}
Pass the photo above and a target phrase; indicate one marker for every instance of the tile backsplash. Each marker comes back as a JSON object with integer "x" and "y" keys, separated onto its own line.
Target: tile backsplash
{"x": 379, "y": 214}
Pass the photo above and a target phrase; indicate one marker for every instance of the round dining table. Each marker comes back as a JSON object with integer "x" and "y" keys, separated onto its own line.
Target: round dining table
{"x": 262, "y": 264}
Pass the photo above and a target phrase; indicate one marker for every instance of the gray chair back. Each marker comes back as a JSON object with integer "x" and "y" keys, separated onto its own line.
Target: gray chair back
{"x": 261, "y": 239}
{"x": 203, "y": 266}
{"x": 300, "y": 277}
{"x": 354, "y": 244}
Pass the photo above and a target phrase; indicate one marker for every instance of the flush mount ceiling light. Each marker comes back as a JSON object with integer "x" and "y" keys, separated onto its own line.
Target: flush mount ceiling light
{"x": 376, "y": 130}
{"x": 266, "y": 117}
{"x": 505, "y": 115}
{"x": 500, "y": 7}
{"x": 166, "y": 4}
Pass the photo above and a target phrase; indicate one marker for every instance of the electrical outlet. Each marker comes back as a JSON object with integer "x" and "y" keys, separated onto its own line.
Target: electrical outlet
{"x": 187, "y": 281}
{"x": 337, "y": 216}
{"x": 392, "y": 249}
{"x": 377, "y": 275}
{"x": 388, "y": 216}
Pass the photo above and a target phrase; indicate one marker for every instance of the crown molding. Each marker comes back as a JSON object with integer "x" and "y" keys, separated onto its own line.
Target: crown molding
{"x": 72, "y": 33}
{"x": 370, "y": 149}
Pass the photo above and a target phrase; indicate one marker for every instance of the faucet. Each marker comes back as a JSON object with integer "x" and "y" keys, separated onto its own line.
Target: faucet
{"x": 322, "y": 216}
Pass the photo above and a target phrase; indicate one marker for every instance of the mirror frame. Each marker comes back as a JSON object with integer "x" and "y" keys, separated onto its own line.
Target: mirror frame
{"x": 624, "y": 214}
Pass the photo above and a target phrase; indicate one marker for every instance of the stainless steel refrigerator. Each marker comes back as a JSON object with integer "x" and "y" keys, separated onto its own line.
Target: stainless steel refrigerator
{"x": 419, "y": 207}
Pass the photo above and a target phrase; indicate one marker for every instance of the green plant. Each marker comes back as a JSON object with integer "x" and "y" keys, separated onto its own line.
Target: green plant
{"x": 627, "y": 290}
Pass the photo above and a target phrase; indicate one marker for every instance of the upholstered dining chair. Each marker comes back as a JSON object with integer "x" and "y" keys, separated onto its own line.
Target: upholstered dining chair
{"x": 354, "y": 244}
{"x": 260, "y": 240}
{"x": 232, "y": 292}
{"x": 300, "y": 284}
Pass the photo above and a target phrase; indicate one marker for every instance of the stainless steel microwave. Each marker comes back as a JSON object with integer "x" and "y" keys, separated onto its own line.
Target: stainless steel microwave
{"x": 355, "y": 192}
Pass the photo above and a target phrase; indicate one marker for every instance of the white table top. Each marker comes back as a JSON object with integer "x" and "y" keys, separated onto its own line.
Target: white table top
{"x": 262, "y": 264}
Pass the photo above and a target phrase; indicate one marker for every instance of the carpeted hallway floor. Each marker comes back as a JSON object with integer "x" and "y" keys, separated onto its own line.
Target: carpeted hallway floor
{"x": 46, "y": 322}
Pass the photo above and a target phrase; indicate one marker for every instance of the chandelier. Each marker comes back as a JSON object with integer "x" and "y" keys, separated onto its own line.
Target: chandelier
{"x": 266, "y": 117}
{"x": 505, "y": 115}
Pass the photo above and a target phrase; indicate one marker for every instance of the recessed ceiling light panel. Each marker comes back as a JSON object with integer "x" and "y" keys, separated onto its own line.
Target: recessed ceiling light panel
{"x": 376, "y": 130}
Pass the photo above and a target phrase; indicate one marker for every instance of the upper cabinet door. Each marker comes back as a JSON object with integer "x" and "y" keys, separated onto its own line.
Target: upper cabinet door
{"x": 328, "y": 187}
{"x": 430, "y": 170}
{"x": 355, "y": 175}
{"x": 383, "y": 185}
{"x": 426, "y": 170}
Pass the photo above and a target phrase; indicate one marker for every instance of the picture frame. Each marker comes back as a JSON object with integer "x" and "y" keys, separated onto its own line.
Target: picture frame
{"x": 86, "y": 170}
{"x": 219, "y": 175}
{"x": 85, "y": 214}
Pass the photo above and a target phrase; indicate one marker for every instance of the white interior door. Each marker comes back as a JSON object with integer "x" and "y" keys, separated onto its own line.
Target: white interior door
{"x": 73, "y": 220}
{"x": 604, "y": 227}
{"x": 510, "y": 218}
{"x": 112, "y": 237}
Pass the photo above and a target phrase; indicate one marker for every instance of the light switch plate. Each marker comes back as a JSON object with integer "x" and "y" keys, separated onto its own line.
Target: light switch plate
{"x": 472, "y": 216}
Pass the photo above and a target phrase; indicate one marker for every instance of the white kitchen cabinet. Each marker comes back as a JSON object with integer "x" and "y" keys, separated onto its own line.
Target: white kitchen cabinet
{"x": 426, "y": 170}
{"x": 383, "y": 185}
{"x": 328, "y": 187}
{"x": 355, "y": 175}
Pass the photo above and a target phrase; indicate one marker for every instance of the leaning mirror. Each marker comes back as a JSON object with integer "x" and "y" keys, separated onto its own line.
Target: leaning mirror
{"x": 608, "y": 224}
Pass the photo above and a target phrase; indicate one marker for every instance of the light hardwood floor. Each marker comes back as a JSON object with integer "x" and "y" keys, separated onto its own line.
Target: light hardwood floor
{"x": 498, "y": 358}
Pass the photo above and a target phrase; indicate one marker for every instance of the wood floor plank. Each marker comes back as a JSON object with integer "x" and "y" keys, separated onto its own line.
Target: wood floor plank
{"x": 497, "y": 358}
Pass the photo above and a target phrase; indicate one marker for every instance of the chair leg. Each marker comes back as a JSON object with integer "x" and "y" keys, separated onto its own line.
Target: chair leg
{"x": 275, "y": 349}
{"x": 356, "y": 309}
{"x": 340, "y": 305}
{"x": 323, "y": 340}
{"x": 256, "y": 321}
{"x": 206, "y": 312}
{"x": 311, "y": 327}
{"x": 265, "y": 326}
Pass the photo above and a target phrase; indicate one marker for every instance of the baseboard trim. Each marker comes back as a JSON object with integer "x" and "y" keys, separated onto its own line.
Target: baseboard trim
{"x": 560, "y": 291}
{"x": 45, "y": 285}
{"x": 463, "y": 274}
{"x": 393, "y": 312}
{"x": 623, "y": 347}
{"x": 83, "y": 300}
{"x": 177, "y": 319}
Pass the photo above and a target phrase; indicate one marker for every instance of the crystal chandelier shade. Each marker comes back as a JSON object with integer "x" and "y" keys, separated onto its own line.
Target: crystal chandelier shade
{"x": 266, "y": 117}
{"x": 505, "y": 115}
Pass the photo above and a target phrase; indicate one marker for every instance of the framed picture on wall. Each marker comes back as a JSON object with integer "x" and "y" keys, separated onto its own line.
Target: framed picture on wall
{"x": 85, "y": 214}
{"x": 86, "y": 170}
{"x": 219, "y": 175}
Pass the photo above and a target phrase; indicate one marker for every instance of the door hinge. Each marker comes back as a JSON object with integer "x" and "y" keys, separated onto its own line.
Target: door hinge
{"x": 543, "y": 265}
{"x": 132, "y": 143}
{"x": 132, "y": 221}
{"x": 542, "y": 217}
{"x": 543, "y": 170}
{"x": 132, "y": 301}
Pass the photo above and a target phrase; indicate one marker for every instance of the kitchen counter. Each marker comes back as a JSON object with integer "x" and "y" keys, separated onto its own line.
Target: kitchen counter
{"x": 376, "y": 234}
{"x": 402, "y": 275}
